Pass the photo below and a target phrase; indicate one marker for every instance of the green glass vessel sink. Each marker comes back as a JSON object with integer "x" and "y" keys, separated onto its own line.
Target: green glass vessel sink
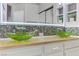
{"x": 63, "y": 34}
{"x": 19, "y": 36}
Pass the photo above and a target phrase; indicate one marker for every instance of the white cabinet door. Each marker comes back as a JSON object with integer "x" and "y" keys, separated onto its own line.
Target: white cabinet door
{"x": 53, "y": 49}
{"x": 71, "y": 47}
{"x": 23, "y": 51}
{"x": 72, "y": 52}
{"x": 71, "y": 44}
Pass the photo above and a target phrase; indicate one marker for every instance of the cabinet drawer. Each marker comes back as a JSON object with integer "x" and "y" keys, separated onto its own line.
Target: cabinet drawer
{"x": 53, "y": 48}
{"x": 71, "y": 44}
{"x": 23, "y": 51}
{"x": 57, "y": 54}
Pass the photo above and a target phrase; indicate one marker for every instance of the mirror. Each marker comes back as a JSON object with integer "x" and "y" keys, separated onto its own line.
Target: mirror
{"x": 44, "y": 13}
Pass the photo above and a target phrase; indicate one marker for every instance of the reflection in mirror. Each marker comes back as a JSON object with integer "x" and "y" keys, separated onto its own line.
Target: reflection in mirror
{"x": 0, "y": 12}
{"x": 29, "y": 12}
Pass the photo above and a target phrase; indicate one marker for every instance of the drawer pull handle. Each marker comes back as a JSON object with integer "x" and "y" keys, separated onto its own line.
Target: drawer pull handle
{"x": 56, "y": 48}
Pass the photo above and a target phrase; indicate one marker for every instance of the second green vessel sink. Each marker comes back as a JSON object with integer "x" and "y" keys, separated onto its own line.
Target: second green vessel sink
{"x": 63, "y": 34}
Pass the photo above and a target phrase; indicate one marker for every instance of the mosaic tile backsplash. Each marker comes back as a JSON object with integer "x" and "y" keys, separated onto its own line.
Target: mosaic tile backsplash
{"x": 73, "y": 30}
{"x": 46, "y": 30}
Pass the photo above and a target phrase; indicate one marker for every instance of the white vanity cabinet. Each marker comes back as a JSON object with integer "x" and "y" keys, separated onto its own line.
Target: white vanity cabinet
{"x": 49, "y": 49}
{"x": 64, "y": 48}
